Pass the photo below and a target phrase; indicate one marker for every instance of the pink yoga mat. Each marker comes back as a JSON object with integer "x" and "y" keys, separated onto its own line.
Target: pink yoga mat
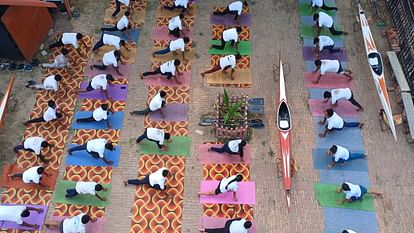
{"x": 161, "y": 33}
{"x": 96, "y": 227}
{"x": 308, "y": 54}
{"x": 115, "y": 92}
{"x": 329, "y": 80}
{"x": 124, "y": 69}
{"x": 217, "y": 158}
{"x": 159, "y": 80}
{"x": 246, "y": 193}
{"x": 172, "y": 112}
{"x": 228, "y": 20}
{"x": 34, "y": 218}
{"x": 344, "y": 108}
{"x": 212, "y": 223}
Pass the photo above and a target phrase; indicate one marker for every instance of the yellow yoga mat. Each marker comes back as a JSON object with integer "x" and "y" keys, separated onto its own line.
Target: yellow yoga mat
{"x": 243, "y": 76}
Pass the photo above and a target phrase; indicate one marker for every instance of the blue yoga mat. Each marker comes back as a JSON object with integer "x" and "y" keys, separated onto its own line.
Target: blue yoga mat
{"x": 83, "y": 158}
{"x": 310, "y": 65}
{"x": 340, "y": 176}
{"x": 309, "y": 43}
{"x": 134, "y": 34}
{"x": 321, "y": 161}
{"x": 336, "y": 220}
{"x": 317, "y": 93}
{"x": 116, "y": 119}
{"x": 308, "y": 20}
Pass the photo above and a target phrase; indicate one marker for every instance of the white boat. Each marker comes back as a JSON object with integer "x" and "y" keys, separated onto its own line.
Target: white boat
{"x": 5, "y": 100}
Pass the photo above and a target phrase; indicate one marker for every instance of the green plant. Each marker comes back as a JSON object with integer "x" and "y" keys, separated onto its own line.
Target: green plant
{"x": 230, "y": 111}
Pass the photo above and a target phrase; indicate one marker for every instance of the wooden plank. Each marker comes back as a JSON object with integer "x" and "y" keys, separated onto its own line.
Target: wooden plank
{"x": 398, "y": 72}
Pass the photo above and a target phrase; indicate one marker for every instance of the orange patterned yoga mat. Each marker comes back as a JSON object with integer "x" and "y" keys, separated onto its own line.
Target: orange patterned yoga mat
{"x": 176, "y": 128}
{"x": 73, "y": 210}
{"x": 83, "y": 135}
{"x": 92, "y": 104}
{"x": 228, "y": 211}
{"x": 175, "y": 94}
{"x": 243, "y": 63}
{"x": 220, "y": 171}
{"x": 140, "y": 5}
{"x": 99, "y": 174}
{"x": 29, "y": 159}
{"x": 26, "y": 196}
{"x": 163, "y": 22}
{"x": 217, "y": 31}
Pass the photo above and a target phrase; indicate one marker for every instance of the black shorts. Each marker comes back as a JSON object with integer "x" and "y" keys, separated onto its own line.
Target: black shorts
{"x": 340, "y": 69}
{"x": 89, "y": 88}
{"x": 61, "y": 226}
{"x": 217, "y": 191}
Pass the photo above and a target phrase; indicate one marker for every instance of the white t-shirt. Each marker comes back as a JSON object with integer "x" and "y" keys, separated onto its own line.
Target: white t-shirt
{"x": 122, "y": 23}
{"x": 229, "y": 60}
{"x": 156, "y": 102}
{"x": 341, "y": 153}
{"x": 49, "y": 114}
{"x": 96, "y": 145}
{"x": 175, "y": 22}
{"x": 110, "y": 59}
{"x": 12, "y": 213}
{"x": 111, "y": 40}
{"x": 325, "y": 41}
{"x": 236, "y": 6}
{"x": 158, "y": 178}
{"x": 60, "y": 59}
{"x": 99, "y": 82}
{"x": 31, "y": 176}
{"x": 325, "y": 20}
{"x": 340, "y": 93}
{"x": 168, "y": 67}
{"x": 156, "y": 135}
{"x": 177, "y": 44}
{"x": 125, "y": 2}
{"x": 74, "y": 225}
{"x": 85, "y": 187}
{"x": 183, "y": 3}
{"x": 70, "y": 38}
{"x": 318, "y": 3}
{"x": 100, "y": 114}
{"x": 335, "y": 121}
{"x": 237, "y": 226}
{"x": 355, "y": 191}
{"x": 34, "y": 143}
{"x": 351, "y": 231}
{"x": 234, "y": 145}
{"x": 50, "y": 83}
{"x": 230, "y": 34}
{"x": 329, "y": 66}
{"x": 232, "y": 187}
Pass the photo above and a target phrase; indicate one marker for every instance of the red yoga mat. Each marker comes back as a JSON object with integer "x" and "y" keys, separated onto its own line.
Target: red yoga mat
{"x": 329, "y": 80}
{"x": 206, "y": 157}
{"x": 162, "y": 33}
{"x": 5, "y": 181}
{"x": 159, "y": 80}
{"x": 246, "y": 193}
{"x": 212, "y": 223}
{"x": 344, "y": 108}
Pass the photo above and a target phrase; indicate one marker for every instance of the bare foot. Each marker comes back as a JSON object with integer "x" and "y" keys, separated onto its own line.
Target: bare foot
{"x": 142, "y": 76}
{"x": 360, "y": 109}
{"x": 125, "y": 183}
{"x": 202, "y": 75}
{"x": 361, "y": 125}
{"x": 346, "y": 33}
{"x": 91, "y": 67}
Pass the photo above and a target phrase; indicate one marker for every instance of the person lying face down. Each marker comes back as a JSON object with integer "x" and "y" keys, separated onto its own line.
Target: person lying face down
{"x": 354, "y": 192}
{"x": 86, "y": 188}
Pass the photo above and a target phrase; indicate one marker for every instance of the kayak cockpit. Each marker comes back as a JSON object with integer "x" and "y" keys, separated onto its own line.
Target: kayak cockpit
{"x": 375, "y": 61}
{"x": 283, "y": 117}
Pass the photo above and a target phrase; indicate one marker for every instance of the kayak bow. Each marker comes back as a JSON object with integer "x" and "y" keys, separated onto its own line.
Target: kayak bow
{"x": 5, "y": 100}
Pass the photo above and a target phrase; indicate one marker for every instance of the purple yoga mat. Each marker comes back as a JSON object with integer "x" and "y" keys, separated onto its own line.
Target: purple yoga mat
{"x": 34, "y": 218}
{"x": 172, "y": 112}
{"x": 328, "y": 80}
{"x": 161, "y": 33}
{"x": 344, "y": 108}
{"x": 246, "y": 193}
{"x": 212, "y": 223}
{"x": 206, "y": 157}
{"x": 115, "y": 92}
{"x": 159, "y": 80}
{"x": 124, "y": 69}
{"x": 96, "y": 227}
{"x": 308, "y": 54}
{"x": 228, "y": 20}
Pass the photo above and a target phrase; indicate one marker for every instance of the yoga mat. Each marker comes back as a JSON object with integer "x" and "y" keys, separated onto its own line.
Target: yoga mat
{"x": 228, "y": 20}
{"x": 133, "y": 34}
{"x": 124, "y": 69}
{"x": 17, "y": 182}
{"x": 84, "y": 199}
{"x": 340, "y": 176}
{"x": 34, "y": 218}
{"x": 115, "y": 92}
{"x": 245, "y": 48}
{"x": 308, "y": 31}
{"x": 189, "y": 13}
{"x": 339, "y": 43}
{"x": 336, "y": 220}
{"x": 308, "y": 20}
{"x": 189, "y": 55}
{"x": 159, "y": 80}
{"x": 310, "y": 65}
{"x": 162, "y": 33}
{"x": 308, "y": 10}
{"x": 212, "y": 223}
{"x": 179, "y": 146}
{"x": 328, "y": 80}
{"x": 321, "y": 161}
{"x": 308, "y": 54}
{"x": 309, "y": 2}
{"x": 327, "y": 196}
{"x": 344, "y": 108}
{"x": 172, "y": 112}
{"x": 91, "y": 227}
{"x": 246, "y": 193}
{"x": 317, "y": 93}
{"x": 240, "y": 77}
{"x": 83, "y": 158}
{"x": 136, "y": 17}
{"x": 116, "y": 120}
{"x": 206, "y": 157}
{"x": 127, "y": 56}
{"x": 256, "y": 101}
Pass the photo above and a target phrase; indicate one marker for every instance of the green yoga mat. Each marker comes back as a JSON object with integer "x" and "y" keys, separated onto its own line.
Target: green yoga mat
{"x": 84, "y": 199}
{"x": 308, "y": 10}
{"x": 179, "y": 146}
{"x": 245, "y": 48}
{"x": 307, "y": 31}
{"x": 327, "y": 196}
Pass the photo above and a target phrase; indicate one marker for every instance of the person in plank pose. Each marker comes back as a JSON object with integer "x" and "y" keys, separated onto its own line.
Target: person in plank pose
{"x": 50, "y": 83}
{"x": 335, "y": 122}
{"x": 324, "y": 20}
{"x": 154, "y": 180}
{"x": 225, "y": 63}
{"x": 69, "y": 39}
{"x": 232, "y": 147}
{"x": 35, "y": 145}
{"x": 175, "y": 26}
{"x": 50, "y": 114}
{"x": 236, "y": 225}
{"x": 341, "y": 94}
{"x": 111, "y": 58}
{"x": 179, "y": 4}
{"x": 122, "y": 25}
{"x": 110, "y": 40}
{"x": 341, "y": 154}
{"x": 174, "y": 46}
{"x": 324, "y": 42}
{"x": 32, "y": 175}
{"x": 16, "y": 213}
{"x": 230, "y": 35}
{"x": 99, "y": 114}
{"x": 354, "y": 192}
{"x": 157, "y": 136}
{"x": 168, "y": 69}
{"x": 99, "y": 82}
{"x": 322, "y": 5}
{"x": 157, "y": 103}
{"x": 226, "y": 185}
{"x": 75, "y": 224}
{"x": 82, "y": 188}
{"x": 330, "y": 66}
{"x": 234, "y": 8}
{"x": 96, "y": 148}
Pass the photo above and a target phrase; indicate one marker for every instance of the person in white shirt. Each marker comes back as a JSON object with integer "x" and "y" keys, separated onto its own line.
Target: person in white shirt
{"x": 60, "y": 61}
{"x": 110, "y": 40}
{"x": 35, "y": 145}
{"x": 96, "y": 148}
{"x": 157, "y": 103}
{"x": 69, "y": 39}
{"x": 168, "y": 69}
{"x": 324, "y": 20}
{"x": 226, "y": 185}
{"x": 232, "y": 147}
{"x": 99, "y": 82}
{"x": 341, "y": 94}
{"x": 118, "y": 6}
{"x": 174, "y": 46}
{"x": 157, "y": 136}
{"x": 348, "y": 231}
{"x": 236, "y": 225}
{"x": 224, "y": 64}
{"x": 230, "y": 35}
{"x": 322, "y": 5}
{"x": 75, "y": 224}
{"x": 325, "y": 42}
{"x": 122, "y": 25}
{"x": 341, "y": 154}
{"x": 354, "y": 192}
{"x": 82, "y": 188}
{"x": 335, "y": 122}
{"x": 179, "y": 4}
{"x": 50, "y": 83}
{"x": 99, "y": 114}
{"x": 234, "y": 8}
{"x": 15, "y": 213}
{"x": 330, "y": 66}
{"x": 49, "y": 115}
{"x": 175, "y": 25}
{"x": 111, "y": 58}
{"x": 32, "y": 175}
{"x": 156, "y": 180}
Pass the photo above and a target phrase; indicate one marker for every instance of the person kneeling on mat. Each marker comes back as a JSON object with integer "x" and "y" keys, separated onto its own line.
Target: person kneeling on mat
{"x": 324, "y": 42}
{"x": 335, "y": 122}
{"x": 341, "y": 94}
{"x": 99, "y": 82}
{"x": 157, "y": 136}
{"x": 168, "y": 69}
{"x": 71, "y": 225}
{"x": 35, "y": 145}
{"x": 156, "y": 104}
{"x": 236, "y": 225}
{"x": 330, "y": 66}
{"x": 234, "y": 8}
{"x": 49, "y": 115}
{"x": 86, "y": 188}
{"x": 99, "y": 114}
{"x": 32, "y": 175}
{"x": 96, "y": 148}
{"x": 155, "y": 180}
{"x": 354, "y": 192}
{"x": 15, "y": 214}
{"x": 341, "y": 154}
{"x": 174, "y": 46}
{"x": 233, "y": 147}
{"x": 226, "y": 185}
{"x": 225, "y": 63}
